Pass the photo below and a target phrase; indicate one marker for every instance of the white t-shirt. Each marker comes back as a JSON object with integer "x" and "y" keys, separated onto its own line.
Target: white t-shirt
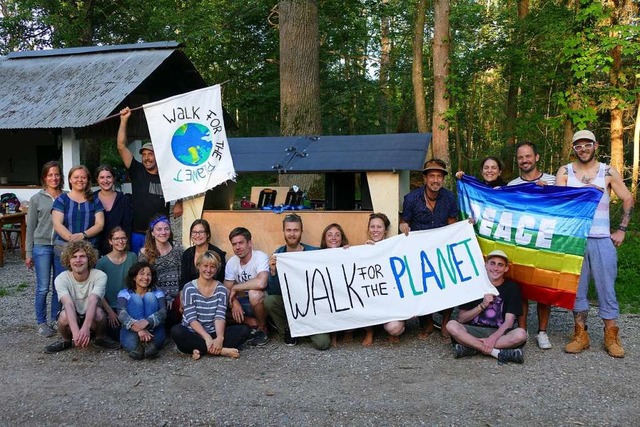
{"x": 79, "y": 292}
{"x": 548, "y": 179}
{"x": 238, "y": 273}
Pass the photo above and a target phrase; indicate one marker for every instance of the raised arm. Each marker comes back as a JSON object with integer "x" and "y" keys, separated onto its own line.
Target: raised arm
{"x": 125, "y": 153}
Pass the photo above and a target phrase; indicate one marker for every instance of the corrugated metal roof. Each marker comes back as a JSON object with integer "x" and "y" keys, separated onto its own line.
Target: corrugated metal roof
{"x": 330, "y": 153}
{"x": 72, "y": 88}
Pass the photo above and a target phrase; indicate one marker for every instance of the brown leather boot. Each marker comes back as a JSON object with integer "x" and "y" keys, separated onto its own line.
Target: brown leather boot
{"x": 612, "y": 342}
{"x": 580, "y": 340}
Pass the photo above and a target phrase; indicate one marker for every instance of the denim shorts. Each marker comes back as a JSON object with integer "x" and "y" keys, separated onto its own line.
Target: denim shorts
{"x": 246, "y": 306}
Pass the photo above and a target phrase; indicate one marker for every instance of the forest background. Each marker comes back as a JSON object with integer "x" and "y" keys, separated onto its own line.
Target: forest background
{"x": 481, "y": 75}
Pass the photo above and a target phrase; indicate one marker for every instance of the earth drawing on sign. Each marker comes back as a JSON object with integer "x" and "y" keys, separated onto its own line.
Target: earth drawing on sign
{"x": 191, "y": 144}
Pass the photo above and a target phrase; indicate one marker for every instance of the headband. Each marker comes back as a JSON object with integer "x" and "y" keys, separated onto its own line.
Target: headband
{"x": 157, "y": 220}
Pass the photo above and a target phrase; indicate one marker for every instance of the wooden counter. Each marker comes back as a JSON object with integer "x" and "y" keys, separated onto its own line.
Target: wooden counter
{"x": 266, "y": 226}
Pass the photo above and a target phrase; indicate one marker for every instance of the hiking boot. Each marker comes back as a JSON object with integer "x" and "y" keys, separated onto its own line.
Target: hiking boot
{"x": 288, "y": 339}
{"x": 45, "y": 330}
{"x": 107, "y": 343}
{"x": 137, "y": 353}
{"x": 150, "y": 350}
{"x": 461, "y": 351}
{"x": 543, "y": 340}
{"x": 510, "y": 355}
{"x": 612, "y": 342}
{"x": 58, "y": 347}
{"x": 259, "y": 338}
{"x": 579, "y": 342}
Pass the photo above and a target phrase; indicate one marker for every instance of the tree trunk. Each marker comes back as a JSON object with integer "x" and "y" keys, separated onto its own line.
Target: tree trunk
{"x": 441, "y": 44}
{"x": 417, "y": 69}
{"x": 299, "y": 68}
{"x": 383, "y": 78}
{"x": 299, "y": 76}
{"x": 514, "y": 75}
{"x": 636, "y": 152}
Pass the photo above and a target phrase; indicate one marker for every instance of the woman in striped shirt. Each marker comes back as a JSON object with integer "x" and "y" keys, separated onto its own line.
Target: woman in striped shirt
{"x": 203, "y": 329}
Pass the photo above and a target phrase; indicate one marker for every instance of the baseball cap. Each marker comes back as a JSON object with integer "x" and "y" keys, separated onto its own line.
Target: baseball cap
{"x": 147, "y": 146}
{"x": 583, "y": 134}
{"x": 434, "y": 165}
{"x": 498, "y": 253}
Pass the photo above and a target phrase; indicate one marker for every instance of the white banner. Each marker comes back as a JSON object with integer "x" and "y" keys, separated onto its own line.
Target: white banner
{"x": 190, "y": 142}
{"x": 395, "y": 279}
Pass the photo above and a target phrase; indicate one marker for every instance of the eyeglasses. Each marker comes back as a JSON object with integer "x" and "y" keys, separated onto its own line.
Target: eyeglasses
{"x": 198, "y": 233}
{"x": 580, "y": 147}
{"x": 119, "y": 239}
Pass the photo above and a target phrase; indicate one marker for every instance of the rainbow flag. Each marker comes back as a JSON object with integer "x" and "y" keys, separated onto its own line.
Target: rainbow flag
{"x": 543, "y": 230}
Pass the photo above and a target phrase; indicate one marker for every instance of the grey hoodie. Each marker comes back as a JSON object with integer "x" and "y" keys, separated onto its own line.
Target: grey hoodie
{"x": 39, "y": 224}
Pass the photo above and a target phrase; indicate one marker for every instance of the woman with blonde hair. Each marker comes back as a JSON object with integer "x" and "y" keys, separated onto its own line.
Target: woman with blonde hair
{"x": 76, "y": 215}
{"x": 203, "y": 329}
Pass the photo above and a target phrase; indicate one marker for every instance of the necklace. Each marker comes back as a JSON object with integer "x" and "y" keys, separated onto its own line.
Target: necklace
{"x": 431, "y": 203}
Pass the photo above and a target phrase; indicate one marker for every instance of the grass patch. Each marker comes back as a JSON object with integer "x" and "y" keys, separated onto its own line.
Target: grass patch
{"x": 13, "y": 289}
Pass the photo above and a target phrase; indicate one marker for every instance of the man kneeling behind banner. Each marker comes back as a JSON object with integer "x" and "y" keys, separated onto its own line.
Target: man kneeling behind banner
{"x": 395, "y": 279}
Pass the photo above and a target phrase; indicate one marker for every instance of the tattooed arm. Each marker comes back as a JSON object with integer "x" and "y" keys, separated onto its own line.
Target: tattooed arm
{"x": 621, "y": 190}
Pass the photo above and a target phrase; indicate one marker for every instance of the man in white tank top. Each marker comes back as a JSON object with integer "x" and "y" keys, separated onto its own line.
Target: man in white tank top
{"x": 600, "y": 258}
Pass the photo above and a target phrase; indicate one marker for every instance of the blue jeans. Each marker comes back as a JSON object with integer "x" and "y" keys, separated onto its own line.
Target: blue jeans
{"x": 43, "y": 264}
{"x": 140, "y": 308}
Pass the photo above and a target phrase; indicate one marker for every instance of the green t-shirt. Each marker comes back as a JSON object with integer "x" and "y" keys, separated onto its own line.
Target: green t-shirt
{"x": 116, "y": 276}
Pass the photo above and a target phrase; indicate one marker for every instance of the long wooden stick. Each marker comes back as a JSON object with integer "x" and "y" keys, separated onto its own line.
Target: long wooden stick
{"x": 137, "y": 108}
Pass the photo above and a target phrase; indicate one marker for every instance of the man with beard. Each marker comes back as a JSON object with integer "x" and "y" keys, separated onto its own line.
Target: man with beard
{"x": 245, "y": 276}
{"x": 147, "y": 196}
{"x": 273, "y": 303}
{"x": 600, "y": 258}
{"x": 425, "y": 208}
{"x": 527, "y": 157}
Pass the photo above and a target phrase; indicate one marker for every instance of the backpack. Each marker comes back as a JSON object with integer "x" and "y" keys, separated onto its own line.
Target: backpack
{"x": 9, "y": 202}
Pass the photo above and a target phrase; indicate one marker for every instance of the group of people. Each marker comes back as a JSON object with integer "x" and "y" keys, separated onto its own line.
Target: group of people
{"x": 146, "y": 286}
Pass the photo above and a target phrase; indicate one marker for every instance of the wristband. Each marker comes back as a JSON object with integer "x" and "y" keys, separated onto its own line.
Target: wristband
{"x": 481, "y": 307}
{"x": 622, "y": 228}
{"x": 84, "y": 234}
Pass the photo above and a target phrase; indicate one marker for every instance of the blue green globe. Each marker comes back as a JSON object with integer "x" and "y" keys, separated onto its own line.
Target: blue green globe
{"x": 191, "y": 144}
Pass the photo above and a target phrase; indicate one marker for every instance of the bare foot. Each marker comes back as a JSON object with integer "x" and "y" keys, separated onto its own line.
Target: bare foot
{"x": 368, "y": 338}
{"x": 348, "y": 337}
{"x": 394, "y": 339}
{"x": 230, "y": 352}
{"x": 195, "y": 355}
{"x": 334, "y": 341}
{"x": 425, "y": 332}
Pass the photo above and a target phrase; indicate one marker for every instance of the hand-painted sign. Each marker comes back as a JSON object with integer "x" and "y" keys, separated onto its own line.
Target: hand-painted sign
{"x": 395, "y": 279}
{"x": 190, "y": 142}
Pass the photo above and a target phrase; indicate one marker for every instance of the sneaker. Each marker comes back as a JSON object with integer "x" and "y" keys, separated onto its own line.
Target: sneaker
{"x": 461, "y": 351}
{"x": 45, "y": 331}
{"x": 57, "y": 347}
{"x": 107, "y": 343}
{"x": 543, "y": 340}
{"x": 510, "y": 355}
{"x": 150, "y": 350}
{"x": 288, "y": 339}
{"x": 259, "y": 338}
{"x": 137, "y": 353}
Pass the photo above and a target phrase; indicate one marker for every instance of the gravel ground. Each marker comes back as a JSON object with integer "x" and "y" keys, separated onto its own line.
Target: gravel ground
{"x": 413, "y": 383}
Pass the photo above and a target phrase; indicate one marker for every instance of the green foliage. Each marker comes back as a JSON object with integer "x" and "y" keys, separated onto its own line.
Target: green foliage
{"x": 247, "y": 180}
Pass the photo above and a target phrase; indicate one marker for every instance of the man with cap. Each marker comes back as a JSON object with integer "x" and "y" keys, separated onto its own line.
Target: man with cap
{"x": 148, "y": 199}
{"x": 489, "y": 325}
{"x": 527, "y": 158}
{"x": 425, "y": 208}
{"x": 600, "y": 259}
